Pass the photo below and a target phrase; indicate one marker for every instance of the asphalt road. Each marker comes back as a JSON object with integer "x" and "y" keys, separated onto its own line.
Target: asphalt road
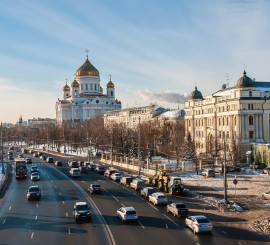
{"x": 50, "y": 220}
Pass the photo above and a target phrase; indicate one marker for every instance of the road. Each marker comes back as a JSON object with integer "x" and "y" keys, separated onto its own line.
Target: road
{"x": 50, "y": 220}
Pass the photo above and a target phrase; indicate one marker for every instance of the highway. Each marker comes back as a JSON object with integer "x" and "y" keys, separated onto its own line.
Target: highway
{"x": 50, "y": 220}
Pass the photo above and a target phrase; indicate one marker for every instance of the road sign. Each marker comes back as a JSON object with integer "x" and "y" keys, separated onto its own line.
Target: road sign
{"x": 235, "y": 181}
{"x": 156, "y": 160}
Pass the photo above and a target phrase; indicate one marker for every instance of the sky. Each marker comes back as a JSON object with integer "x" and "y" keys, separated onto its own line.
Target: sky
{"x": 157, "y": 51}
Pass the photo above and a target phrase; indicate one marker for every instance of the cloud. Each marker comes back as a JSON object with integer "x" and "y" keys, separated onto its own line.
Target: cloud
{"x": 163, "y": 96}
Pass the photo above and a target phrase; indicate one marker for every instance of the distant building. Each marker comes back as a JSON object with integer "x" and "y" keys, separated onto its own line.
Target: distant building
{"x": 84, "y": 98}
{"x": 238, "y": 115}
{"x": 131, "y": 117}
{"x": 40, "y": 121}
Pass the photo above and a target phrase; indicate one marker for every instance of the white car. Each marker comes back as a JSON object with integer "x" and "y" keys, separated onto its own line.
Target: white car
{"x": 199, "y": 224}
{"x": 127, "y": 214}
{"x": 158, "y": 198}
{"x": 75, "y": 172}
{"x": 34, "y": 176}
{"x": 116, "y": 176}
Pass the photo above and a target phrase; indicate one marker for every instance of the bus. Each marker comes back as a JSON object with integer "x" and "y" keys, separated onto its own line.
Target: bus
{"x": 20, "y": 168}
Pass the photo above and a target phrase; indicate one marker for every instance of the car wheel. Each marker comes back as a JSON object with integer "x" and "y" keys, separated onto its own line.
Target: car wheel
{"x": 168, "y": 210}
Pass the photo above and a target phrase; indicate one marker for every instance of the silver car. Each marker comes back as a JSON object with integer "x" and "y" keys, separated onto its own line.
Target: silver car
{"x": 199, "y": 224}
{"x": 158, "y": 198}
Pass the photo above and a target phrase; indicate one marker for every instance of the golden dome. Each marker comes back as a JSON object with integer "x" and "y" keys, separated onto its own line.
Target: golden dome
{"x": 75, "y": 84}
{"x": 66, "y": 88}
{"x": 110, "y": 84}
{"x": 87, "y": 69}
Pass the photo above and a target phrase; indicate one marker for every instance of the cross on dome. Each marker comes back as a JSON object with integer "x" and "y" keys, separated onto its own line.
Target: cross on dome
{"x": 87, "y": 51}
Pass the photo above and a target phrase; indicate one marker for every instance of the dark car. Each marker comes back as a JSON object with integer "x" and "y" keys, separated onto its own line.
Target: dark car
{"x": 126, "y": 180}
{"x": 94, "y": 188}
{"x": 83, "y": 169}
{"x": 92, "y": 166}
{"x": 178, "y": 209}
{"x": 58, "y": 163}
{"x": 99, "y": 170}
{"x": 49, "y": 160}
{"x": 81, "y": 211}
{"x": 28, "y": 160}
{"x": 146, "y": 191}
{"x": 10, "y": 157}
{"x": 42, "y": 157}
{"x": 34, "y": 193}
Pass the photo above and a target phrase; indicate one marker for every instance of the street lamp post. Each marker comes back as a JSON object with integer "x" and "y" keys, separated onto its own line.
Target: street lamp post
{"x": 225, "y": 164}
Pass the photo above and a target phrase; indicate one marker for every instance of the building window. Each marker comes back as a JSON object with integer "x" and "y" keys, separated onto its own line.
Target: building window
{"x": 234, "y": 121}
{"x": 91, "y": 86}
{"x": 227, "y": 121}
{"x": 223, "y": 121}
{"x": 250, "y": 119}
{"x": 251, "y": 134}
{"x": 95, "y": 87}
{"x": 86, "y": 87}
{"x": 250, "y": 93}
{"x": 97, "y": 101}
{"x": 112, "y": 93}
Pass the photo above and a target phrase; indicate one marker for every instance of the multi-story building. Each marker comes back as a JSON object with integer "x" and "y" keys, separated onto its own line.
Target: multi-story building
{"x": 237, "y": 115}
{"x": 85, "y": 99}
{"x": 40, "y": 121}
{"x": 131, "y": 117}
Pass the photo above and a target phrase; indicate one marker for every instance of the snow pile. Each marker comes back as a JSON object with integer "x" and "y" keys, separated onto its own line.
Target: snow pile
{"x": 262, "y": 225}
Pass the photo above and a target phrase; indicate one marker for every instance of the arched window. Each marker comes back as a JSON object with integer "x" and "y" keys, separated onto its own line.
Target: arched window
{"x": 227, "y": 121}
{"x": 250, "y": 93}
{"x": 250, "y": 120}
{"x": 235, "y": 121}
{"x": 111, "y": 93}
{"x": 223, "y": 121}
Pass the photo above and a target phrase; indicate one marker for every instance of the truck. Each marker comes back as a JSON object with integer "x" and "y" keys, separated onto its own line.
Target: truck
{"x": 20, "y": 168}
{"x": 169, "y": 183}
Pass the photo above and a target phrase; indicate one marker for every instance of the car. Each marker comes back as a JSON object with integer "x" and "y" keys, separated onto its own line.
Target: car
{"x": 83, "y": 169}
{"x": 92, "y": 166}
{"x": 58, "y": 163}
{"x": 86, "y": 164}
{"x": 208, "y": 172}
{"x": 34, "y": 169}
{"x": 40, "y": 153}
{"x": 266, "y": 170}
{"x": 127, "y": 214}
{"x": 20, "y": 156}
{"x": 35, "y": 154}
{"x": 158, "y": 198}
{"x": 28, "y": 160}
{"x": 10, "y": 157}
{"x": 177, "y": 209}
{"x": 42, "y": 157}
{"x": 137, "y": 184}
{"x": 126, "y": 180}
{"x": 146, "y": 191}
{"x": 219, "y": 168}
{"x": 109, "y": 172}
{"x": 94, "y": 188}
{"x": 81, "y": 211}
{"x": 34, "y": 176}
{"x": 34, "y": 192}
{"x": 73, "y": 164}
{"x": 99, "y": 170}
{"x": 49, "y": 160}
{"x": 116, "y": 176}
{"x": 10, "y": 153}
{"x": 11, "y": 148}
{"x": 75, "y": 173}
{"x": 266, "y": 195}
{"x": 81, "y": 163}
{"x": 199, "y": 223}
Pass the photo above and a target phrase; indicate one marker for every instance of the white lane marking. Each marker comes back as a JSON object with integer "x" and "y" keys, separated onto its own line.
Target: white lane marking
{"x": 152, "y": 206}
{"x": 122, "y": 204}
{"x": 166, "y": 226}
{"x": 4, "y": 221}
{"x": 138, "y": 196}
{"x": 69, "y": 231}
{"x": 55, "y": 186}
{"x": 64, "y": 202}
{"x": 115, "y": 183}
{"x": 170, "y": 219}
{"x": 37, "y": 205}
{"x": 36, "y": 217}
{"x": 126, "y": 188}
{"x": 60, "y": 193}
{"x": 105, "y": 189}
{"x": 32, "y": 235}
{"x": 9, "y": 208}
{"x": 141, "y": 225}
{"x": 115, "y": 198}
{"x": 66, "y": 214}
{"x": 224, "y": 232}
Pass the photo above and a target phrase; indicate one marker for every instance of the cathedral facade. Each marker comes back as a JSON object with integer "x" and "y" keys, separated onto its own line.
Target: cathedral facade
{"x": 84, "y": 98}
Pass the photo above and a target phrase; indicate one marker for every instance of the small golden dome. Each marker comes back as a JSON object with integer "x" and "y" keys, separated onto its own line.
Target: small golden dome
{"x": 110, "y": 84}
{"x": 75, "y": 84}
{"x": 66, "y": 88}
{"x": 87, "y": 69}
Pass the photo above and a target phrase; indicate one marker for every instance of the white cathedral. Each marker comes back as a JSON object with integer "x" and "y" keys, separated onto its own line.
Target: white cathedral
{"x": 85, "y": 99}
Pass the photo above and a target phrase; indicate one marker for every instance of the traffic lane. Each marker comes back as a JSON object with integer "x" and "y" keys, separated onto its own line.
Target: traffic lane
{"x": 69, "y": 193}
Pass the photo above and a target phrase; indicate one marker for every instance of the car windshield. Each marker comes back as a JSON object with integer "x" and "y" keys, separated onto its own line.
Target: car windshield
{"x": 34, "y": 168}
{"x": 82, "y": 207}
{"x": 95, "y": 186}
{"x": 101, "y": 168}
{"x": 161, "y": 197}
{"x": 131, "y": 212}
{"x": 33, "y": 189}
{"x": 203, "y": 220}
{"x": 180, "y": 205}
{"x": 35, "y": 173}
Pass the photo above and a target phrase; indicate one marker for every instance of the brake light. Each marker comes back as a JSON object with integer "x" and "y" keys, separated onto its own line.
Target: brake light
{"x": 198, "y": 225}
{"x": 125, "y": 215}
{"x": 210, "y": 225}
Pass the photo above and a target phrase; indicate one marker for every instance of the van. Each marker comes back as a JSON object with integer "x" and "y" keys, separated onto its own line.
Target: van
{"x": 208, "y": 172}
{"x": 126, "y": 180}
{"x": 137, "y": 184}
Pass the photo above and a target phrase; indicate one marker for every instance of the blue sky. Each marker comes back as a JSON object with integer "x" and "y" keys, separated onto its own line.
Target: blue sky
{"x": 156, "y": 50}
